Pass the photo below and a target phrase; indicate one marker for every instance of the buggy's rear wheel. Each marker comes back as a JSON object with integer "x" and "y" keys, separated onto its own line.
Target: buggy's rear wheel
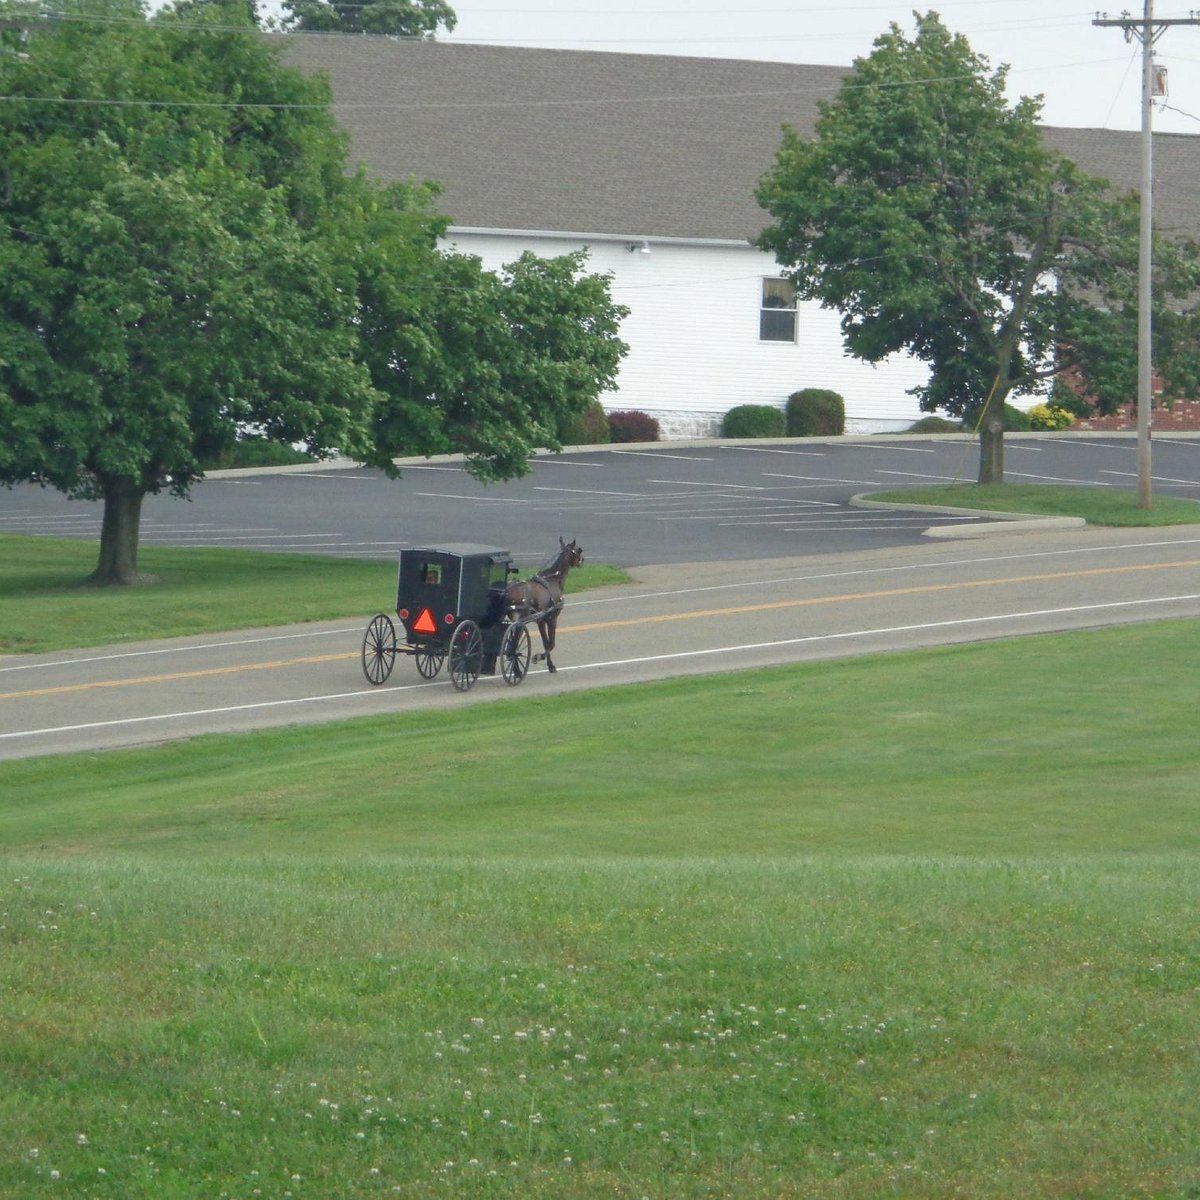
{"x": 466, "y": 656}
{"x": 429, "y": 662}
{"x": 379, "y": 649}
{"x": 514, "y": 654}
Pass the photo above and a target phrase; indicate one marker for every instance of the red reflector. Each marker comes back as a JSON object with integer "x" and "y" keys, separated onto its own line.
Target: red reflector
{"x": 425, "y": 623}
{"x": 402, "y": 613}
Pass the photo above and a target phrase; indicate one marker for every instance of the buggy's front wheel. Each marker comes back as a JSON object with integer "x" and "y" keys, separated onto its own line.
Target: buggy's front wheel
{"x": 466, "y": 656}
{"x": 379, "y": 649}
{"x": 514, "y": 654}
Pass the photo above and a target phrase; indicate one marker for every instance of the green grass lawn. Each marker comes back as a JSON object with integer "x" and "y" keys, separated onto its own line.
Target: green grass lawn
{"x": 921, "y": 925}
{"x": 44, "y": 606}
{"x": 1097, "y": 506}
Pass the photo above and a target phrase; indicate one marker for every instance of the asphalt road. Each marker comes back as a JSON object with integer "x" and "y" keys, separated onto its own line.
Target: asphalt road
{"x": 666, "y": 503}
{"x": 676, "y": 619}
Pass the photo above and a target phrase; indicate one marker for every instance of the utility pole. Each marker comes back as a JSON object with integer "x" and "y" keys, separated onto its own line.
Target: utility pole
{"x": 1147, "y": 31}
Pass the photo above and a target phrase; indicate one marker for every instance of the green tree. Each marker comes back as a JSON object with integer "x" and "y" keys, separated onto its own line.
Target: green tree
{"x": 183, "y": 257}
{"x": 157, "y": 288}
{"x": 396, "y": 18}
{"x": 929, "y": 213}
{"x": 469, "y": 361}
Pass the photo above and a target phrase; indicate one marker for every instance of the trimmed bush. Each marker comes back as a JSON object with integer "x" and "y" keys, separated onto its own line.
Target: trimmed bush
{"x": 633, "y": 426}
{"x": 934, "y": 424}
{"x": 1016, "y": 420}
{"x": 588, "y": 428}
{"x": 815, "y": 412}
{"x": 1049, "y": 416}
{"x": 753, "y": 421}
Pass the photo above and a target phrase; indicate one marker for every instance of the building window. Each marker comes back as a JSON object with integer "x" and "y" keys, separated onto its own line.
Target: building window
{"x": 777, "y": 319}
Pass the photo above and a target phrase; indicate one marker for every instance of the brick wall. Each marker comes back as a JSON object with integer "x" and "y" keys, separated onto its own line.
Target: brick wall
{"x": 1182, "y": 416}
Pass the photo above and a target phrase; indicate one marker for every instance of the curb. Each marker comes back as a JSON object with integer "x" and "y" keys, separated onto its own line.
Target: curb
{"x": 999, "y": 523}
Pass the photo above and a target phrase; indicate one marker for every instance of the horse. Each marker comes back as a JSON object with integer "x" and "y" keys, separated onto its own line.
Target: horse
{"x": 543, "y": 593}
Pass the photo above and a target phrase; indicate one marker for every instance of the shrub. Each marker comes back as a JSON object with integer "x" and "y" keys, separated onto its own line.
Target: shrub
{"x": 633, "y": 426}
{"x": 753, "y": 421}
{"x": 1015, "y": 420}
{"x": 588, "y": 428}
{"x": 1062, "y": 395}
{"x": 815, "y": 412}
{"x": 934, "y": 424}
{"x": 1049, "y": 416}
{"x": 256, "y": 451}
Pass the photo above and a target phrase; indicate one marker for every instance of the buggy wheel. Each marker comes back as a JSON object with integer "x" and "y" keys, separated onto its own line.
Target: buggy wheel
{"x": 429, "y": 662}
{"x": 379, "y": 649}
{"x": 466, "y": 656}
{"x": 514, "y": 654}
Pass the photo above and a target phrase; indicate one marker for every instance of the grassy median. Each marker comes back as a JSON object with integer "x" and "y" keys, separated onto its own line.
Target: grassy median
{"x": 919, "y": 925}
{"x": 1097, "y": 506}
{"x": 45, "y": 606}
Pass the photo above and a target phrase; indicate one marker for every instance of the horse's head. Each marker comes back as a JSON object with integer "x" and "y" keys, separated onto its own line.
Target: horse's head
{"x": 570, "y": 553}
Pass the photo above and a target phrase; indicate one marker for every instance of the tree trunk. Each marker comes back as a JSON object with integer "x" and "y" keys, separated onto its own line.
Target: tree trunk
{"x": 991, "y": 448}
{"x": 119, "y": 533}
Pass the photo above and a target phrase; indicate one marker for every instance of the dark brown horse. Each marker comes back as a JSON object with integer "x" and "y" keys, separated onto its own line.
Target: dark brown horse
{"x": 543, "y": 593}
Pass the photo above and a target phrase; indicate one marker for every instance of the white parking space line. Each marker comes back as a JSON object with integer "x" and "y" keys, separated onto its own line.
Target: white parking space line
{"x": 270, "y": 538}
{"x": 887, "y": 447}
{"x": 918, "y": 475}
{"x": 333, "y": 474}
{"x": 1060, "y": 479}
{"x": 474, "y": 499}
{"x": 562, "y": 462}
{"x": 1156, "y": 478}
{"x": 58, "y": 520}
{"x": 1122, "y": 447}
{"x": 784, "y": 514}
{"x": 776, "y": 450}
{"x": 657, "y": 454}
{"x": 588, "y": 492}
{"x": 744, "y": 487}
{"x": 820, "y": 480}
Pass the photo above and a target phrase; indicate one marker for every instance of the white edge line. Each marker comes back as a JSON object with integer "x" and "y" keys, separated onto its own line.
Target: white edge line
{"x": 621, "y": 662}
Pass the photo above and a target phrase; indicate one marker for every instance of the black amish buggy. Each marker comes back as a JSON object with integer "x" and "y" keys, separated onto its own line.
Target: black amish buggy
{"x": 458, "y": 603}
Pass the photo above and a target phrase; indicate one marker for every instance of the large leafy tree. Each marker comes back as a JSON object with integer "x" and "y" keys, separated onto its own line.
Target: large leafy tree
{"x": 928, "y": 211}
{"x": 183, "y": 257}
{"x": 395, "y": 18}
{"x": 162, "y": 283}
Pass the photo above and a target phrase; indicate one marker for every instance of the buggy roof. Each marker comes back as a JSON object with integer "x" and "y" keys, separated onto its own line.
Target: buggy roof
{"x": 459, "y": 550}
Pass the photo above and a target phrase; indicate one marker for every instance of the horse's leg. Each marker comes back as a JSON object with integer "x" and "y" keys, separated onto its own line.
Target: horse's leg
{"x": 547, "y": 643}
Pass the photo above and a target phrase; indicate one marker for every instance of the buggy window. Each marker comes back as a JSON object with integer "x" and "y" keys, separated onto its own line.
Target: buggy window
{"x": 431, "y": 573}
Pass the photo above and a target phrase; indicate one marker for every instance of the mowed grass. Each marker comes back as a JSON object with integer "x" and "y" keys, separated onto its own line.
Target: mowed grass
{"x": 921, "y": 925}
{"x": 44, "y": 605}
{"x": 1097, "y": 506}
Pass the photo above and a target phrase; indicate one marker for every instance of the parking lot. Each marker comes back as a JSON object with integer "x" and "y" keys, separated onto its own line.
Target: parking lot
{"x": 666, "y": 503}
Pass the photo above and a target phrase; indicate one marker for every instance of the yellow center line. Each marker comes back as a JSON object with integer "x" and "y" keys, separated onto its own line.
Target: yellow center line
{"x": 845, "y": 597}
{"x": 175, "y": 676}
{"x": 693, "y": 615}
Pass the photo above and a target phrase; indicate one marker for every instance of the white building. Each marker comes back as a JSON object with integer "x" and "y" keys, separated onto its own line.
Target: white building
{"x": 651, "y": 163}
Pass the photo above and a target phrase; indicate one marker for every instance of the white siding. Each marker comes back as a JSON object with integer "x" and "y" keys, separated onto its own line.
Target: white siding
{"x": 692, "y": 331}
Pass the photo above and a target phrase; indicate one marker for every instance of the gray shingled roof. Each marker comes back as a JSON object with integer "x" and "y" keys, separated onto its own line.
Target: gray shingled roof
{"x": 622, "y": 144}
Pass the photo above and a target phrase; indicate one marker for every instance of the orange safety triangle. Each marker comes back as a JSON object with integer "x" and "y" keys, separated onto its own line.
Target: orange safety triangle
{"x": 425, "y": 622}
